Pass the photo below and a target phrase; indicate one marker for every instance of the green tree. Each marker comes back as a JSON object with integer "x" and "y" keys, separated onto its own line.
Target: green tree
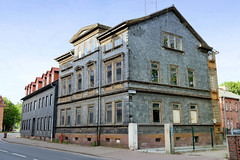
{"x": 11, "y": 115}
{"x": 233, "y": 87}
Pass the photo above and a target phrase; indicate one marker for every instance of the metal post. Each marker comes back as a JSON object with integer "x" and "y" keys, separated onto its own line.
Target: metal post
{"x": 170, "y": 134}
{"x": 212, "y": 136}
{"x": 193, "y": 138}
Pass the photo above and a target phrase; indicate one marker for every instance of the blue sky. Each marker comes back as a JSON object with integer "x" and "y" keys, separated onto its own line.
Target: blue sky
{"x": 34, "y": 32}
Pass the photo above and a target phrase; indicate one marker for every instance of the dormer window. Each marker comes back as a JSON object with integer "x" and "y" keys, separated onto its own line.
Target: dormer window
{"x": 52, "y": 77}
{"x": 37, "y": 86}
{"x": 47, "y": 80}
{"x": 172, "y": 41}
{"x": 43, "y": 83}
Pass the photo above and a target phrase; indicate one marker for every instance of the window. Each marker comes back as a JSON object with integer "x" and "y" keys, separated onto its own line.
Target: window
{"x": 191, "y": 78}
{"x": 68, "y": 116}
{"x": 79, "y": 82}
{"x": 108, "y": 46}
{"x": 62, "y": 117}
{"x": 230, "y": 107}
{"x": 86, "y": 49}
{"x": 113, "y": 71}
{"x": 35, "y": 105}
{"x": 46, "y": 103}
{"x": 43, "y": 83}
{"x": 108, "y": 113}
{"x": 39, "y": 103}
{"x": 156, "y": 109}
{"x": 49, "y": 123}
{"x": 118, "y": 112}
{"x": 31, "y": 106}
{"x": 231, "y": 123}
{"x": 172, "y": 41}
{"x": 42, "y": 102}
{"x": 91, "y": 78}
{"x": 80, "y": 51}
{"x": 41, "y": 124}
{"x": 64, "y": 88}
{"x": 155, "y": 69}
{"x": 109, "y": 73}
{"x": 92, "y": 46}
{"x": 78, "y": 113}
{"x": 174, "y": 75}
{"x": 69, "y": 86}
{"x": 90, "y": 114}
{"x": 118, "y": 42}
{"x": 45, "y": 124}
{"x": 226, "y": 105}
{"x": 38, "y": 121}
{"x": 37, "y": 86}
{"x": 50, "y": 100}
{"x": 118, "y": 71}
{"x": 193, "y": 114}
{"x": 47, "y": 80}
{"x": 228, "y": 123}
{"x": 176, "y": 113}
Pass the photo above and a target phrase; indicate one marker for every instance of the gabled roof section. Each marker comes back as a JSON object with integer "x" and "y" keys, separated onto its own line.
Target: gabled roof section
{"x": 227, "y": 94}
{"x": 66, "y": 55}
{"x": 86, "y": 30}
{"x": 54, "y": 69}
{"x": 39, "y": 79}
{"x": 141, "y": 19}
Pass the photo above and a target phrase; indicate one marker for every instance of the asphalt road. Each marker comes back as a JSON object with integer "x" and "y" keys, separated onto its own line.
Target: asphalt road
{"x": 10, "y": 151}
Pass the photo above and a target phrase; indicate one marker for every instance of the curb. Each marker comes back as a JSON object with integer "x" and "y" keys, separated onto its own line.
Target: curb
{"x": 57, "y": 149}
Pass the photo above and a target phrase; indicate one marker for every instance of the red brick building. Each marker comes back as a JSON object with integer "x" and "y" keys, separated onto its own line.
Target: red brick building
{"x": 229, "y": 104}
{"x": 1, "y": 112}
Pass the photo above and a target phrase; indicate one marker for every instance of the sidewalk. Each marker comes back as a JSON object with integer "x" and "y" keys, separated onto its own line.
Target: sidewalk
{"x": 116, "y": 153}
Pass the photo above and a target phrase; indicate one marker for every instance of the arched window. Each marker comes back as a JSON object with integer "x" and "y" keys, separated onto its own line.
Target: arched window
{"x": 79, "y": 81}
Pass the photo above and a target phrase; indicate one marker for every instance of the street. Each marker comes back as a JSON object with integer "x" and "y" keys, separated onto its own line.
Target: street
{"x": 10, "y": 151}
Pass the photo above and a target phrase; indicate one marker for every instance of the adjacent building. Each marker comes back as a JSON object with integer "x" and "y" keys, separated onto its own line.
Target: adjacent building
{"x": 39, "y": 106}
{"x": 150, "y": 71}
{"x": 229, "y": 103}
{"x": 1, "y": 113}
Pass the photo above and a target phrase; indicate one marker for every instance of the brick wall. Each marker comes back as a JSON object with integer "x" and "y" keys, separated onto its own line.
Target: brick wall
{"x": 234, "y": 147}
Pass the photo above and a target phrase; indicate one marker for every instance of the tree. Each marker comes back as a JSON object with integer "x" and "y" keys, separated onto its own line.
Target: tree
{"x": 11, "y": 115}
{"x": 233, "y": 87}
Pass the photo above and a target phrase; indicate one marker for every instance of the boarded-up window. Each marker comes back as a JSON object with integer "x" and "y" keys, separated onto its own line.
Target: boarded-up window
{"x": 193, "y": 113}
{"x": 176, "y": 113}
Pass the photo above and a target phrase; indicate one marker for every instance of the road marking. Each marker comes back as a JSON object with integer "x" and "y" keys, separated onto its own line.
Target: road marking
{"x": 3, "y": 151}
{"x": 19, "y": 155}
{"x": 35, "y": 159}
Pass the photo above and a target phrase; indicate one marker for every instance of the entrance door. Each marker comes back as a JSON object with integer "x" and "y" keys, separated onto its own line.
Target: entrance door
{"x": 33, "y": 127}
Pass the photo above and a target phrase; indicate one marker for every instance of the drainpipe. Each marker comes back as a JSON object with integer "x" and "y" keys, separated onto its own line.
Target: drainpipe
{"x": 224, "y": 111}
{"x": 99, "y": 94}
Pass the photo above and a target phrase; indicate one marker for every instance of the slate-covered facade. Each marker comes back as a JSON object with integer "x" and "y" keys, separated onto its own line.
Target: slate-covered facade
{"x": 150, "y": 71}
{"x": 39, "y": 107}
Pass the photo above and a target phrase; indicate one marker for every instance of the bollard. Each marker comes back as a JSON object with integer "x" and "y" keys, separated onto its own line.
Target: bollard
{"x": 5, "y": 135}
{"x": 61, "y": 138}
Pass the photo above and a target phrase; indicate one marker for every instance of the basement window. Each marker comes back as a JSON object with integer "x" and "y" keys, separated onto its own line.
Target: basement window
{"x": 158, "y": 139}
{"x": 76, "y": 138}
{"x": 196, "y": 139}
{"x": 66, "y": 138}
{"x": 117, "y": 140}
{"x": 88, "y": 139}
{"x": 177, "y": 138}
{"x": 107, "y": 139}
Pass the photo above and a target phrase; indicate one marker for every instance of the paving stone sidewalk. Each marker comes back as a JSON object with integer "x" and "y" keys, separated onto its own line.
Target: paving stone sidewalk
{"x": 117, "y": 153}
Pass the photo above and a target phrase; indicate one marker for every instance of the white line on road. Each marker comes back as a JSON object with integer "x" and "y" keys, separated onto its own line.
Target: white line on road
{"x": 3, "y": 151}
{"x": 19, "y": 155}
{"x": 35, "y": 159}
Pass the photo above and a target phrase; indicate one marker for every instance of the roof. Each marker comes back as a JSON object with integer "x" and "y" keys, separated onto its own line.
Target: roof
{"x": 1, "y": 102}
{"x": 141, "y": 19}
{"x": 86, "y": 30}
{"x": 54, "y": 69}
{"x": 66, "y": 55}
{"x": 227, "y": 94}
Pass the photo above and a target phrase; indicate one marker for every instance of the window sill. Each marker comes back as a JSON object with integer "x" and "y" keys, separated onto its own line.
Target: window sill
{"x": 181, "y": 51}
{"x": 66, "y": 69}
{"x": 114, "y": 48}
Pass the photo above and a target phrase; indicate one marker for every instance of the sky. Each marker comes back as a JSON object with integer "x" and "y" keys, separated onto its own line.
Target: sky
{"x": 34, "y": 32}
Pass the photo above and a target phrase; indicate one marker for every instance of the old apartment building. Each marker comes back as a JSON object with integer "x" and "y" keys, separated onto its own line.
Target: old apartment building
{"x": 229, "y": 104}
{"x": 39, "y": 106}
{"x": 150, "y": 71}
